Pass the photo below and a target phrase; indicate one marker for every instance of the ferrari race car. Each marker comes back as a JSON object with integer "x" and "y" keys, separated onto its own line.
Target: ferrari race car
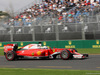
{"x": 12, "y": 52}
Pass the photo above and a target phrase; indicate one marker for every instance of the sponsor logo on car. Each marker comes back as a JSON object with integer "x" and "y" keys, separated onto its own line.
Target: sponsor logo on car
{"x": 53, "y": 50}
{"x": 39, "y": 53}
{"x": 8, "y": 47}
{"x": 33, "y": 54}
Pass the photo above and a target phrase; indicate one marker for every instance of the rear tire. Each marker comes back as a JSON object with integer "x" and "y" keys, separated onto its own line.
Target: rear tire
{"x": 65, "y": 54}
{"x": 11, "y": 55}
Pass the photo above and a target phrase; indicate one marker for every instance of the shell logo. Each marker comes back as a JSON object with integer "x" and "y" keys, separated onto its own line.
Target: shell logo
{"x": 39, "y": 53}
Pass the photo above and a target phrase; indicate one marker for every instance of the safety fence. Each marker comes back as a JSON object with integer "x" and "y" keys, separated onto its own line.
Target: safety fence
{"x": 69, "y": 31}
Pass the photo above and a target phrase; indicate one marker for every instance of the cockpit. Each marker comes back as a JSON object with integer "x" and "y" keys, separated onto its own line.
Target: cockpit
{"x": 34, "y": 46}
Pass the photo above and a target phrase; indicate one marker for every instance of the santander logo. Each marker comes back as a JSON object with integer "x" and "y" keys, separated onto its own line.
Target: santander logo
{"x": 8, "y": 47}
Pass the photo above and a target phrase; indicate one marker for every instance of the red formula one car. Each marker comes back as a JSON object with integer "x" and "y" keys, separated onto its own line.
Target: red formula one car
{"x": 12, "y": 52}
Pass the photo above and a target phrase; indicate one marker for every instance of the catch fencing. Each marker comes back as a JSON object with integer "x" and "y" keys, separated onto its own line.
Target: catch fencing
{"x": 88, "y": 28}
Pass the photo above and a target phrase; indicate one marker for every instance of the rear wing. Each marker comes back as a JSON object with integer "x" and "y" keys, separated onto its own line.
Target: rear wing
{"x": 10, "y": 47}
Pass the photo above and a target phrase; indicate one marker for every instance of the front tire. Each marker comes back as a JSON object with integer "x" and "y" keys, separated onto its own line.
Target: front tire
{"x": 65, "y": 54}
{"x": 11, "y": 55}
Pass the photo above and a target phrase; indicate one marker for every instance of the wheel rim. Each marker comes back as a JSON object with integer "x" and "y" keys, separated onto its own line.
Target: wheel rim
{"x": 9, "y": 55}
{"x": 64, "y": 54}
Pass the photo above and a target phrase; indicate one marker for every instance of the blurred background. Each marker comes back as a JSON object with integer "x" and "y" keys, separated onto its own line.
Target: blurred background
{"x": 44, "y": 20}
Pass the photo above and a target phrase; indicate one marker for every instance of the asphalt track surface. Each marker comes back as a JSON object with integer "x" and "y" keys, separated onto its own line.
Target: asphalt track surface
{"x": 92, "y": 63}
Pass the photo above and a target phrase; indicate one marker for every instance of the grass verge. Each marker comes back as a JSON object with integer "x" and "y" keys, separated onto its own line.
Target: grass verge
{"x": 12, "y": 71}
{"x": 89, "y": 50}
{"x": 1, "y": 52}
{"x": 80, "y": 50}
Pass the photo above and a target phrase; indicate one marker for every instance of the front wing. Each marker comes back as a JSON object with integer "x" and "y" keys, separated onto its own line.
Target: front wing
{"x": 81, "y": 56}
